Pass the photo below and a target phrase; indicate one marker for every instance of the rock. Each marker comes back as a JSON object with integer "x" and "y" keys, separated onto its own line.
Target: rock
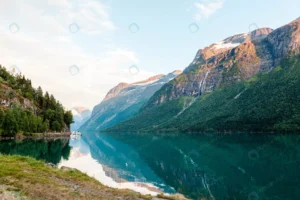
{"x": 64, "y": 168}
{"x": 50, "y": 165}
{"x": 75, "y": 187}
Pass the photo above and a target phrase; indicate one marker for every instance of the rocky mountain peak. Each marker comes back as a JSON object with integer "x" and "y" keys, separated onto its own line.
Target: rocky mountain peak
{"x": 151, "y": 79}
{"x": 116, "y": 90}
{"x": 230, "y": 43}
{"x": 260, "y": 33}
{"x": 177, "y": 72}
{"x": 80, "y": 109}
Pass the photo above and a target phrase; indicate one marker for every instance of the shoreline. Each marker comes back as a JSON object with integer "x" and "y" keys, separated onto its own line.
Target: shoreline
{"x": 37, "y": 180}
{"x": 37, "y": 136}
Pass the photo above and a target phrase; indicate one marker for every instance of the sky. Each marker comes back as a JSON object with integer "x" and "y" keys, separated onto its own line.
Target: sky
{"x": 79, "y": 49}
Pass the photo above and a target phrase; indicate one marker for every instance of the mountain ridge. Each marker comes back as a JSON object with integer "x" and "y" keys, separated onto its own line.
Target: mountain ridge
{"x": 187, "y": 103}
{"x": 124, "y": 100}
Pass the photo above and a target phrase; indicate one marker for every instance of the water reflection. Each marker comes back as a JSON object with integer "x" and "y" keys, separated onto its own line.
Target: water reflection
{"x": 110, "y": 162}
{"x": 50, "y": 150}
{"x": 205, "y": 166}
{"x": 202, "y": 167}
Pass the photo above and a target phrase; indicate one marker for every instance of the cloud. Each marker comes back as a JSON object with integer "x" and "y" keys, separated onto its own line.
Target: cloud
{"x": 207, "y": 8}
{"x": 44, "y": 49}
{"x": 91, "y": 16}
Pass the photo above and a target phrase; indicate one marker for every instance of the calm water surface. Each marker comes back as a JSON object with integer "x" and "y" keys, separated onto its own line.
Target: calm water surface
{"x": 210, "y": 166}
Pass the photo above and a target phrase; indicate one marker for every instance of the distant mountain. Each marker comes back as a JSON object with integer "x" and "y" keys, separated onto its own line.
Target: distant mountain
{"x": 248, "y": 82}
{"x": 80, "y": 116}
{"x": 125, "y": 100}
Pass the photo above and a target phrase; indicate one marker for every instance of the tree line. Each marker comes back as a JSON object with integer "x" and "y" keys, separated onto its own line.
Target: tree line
{"x": 45, "y": 115}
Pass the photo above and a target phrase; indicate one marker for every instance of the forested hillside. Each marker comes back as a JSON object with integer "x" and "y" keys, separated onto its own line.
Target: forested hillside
{"x": 25, "y": 109}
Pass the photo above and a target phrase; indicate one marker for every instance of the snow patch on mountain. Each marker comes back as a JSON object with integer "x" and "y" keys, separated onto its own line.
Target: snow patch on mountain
{"x": 222, "y": 45}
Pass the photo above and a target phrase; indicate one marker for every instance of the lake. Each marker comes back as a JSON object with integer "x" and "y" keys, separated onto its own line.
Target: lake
{"x": 203, "y": 166}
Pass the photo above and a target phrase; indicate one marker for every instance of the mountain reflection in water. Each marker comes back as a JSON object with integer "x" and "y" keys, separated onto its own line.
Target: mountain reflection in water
{"x": 208, "y": 166}
{"x": 204, "y": 166}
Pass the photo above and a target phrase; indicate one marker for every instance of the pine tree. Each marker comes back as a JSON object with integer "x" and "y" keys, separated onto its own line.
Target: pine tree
{"x": 68, "y": 118}
{"x": 10, "y": 125}
{"x": 56, "y": 126}
{"x": 25, "y": 123}
{"x": 2, "y": 117}
{"x": 46, "y": 102}
{"x": 39, "y": 96}
{"x": 52, "y": 102}
{"x": 46, "y": 125}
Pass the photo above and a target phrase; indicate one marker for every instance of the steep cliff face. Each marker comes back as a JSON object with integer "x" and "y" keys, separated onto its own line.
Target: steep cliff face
{"x": 232, "y": 60}
{"x": 123, "y": 101}
{"x": 10, "y": 98}
{"x": 285, "y": 41}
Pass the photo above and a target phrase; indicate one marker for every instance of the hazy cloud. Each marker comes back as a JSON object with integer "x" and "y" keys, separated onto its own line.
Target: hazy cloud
{"x": 207, "y": 8}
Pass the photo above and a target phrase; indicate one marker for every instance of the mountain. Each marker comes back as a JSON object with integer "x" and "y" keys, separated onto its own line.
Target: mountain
{"x": 230, "y": 43}
{"x": 25, "y": 109}
{"x": 80, "y": 116}
{"x": 249, "y": 84}
{"x": 124, "y": 100}
{"x": 213, "y": 66}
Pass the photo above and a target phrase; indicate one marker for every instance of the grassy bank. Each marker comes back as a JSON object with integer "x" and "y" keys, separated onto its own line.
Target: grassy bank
{"x": 27, "y": 178}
